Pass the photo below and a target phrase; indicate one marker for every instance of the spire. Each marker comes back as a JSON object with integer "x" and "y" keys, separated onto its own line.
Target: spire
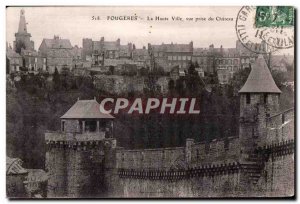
{"x": 260, "y": 79}
{"x": 22, "y": 23}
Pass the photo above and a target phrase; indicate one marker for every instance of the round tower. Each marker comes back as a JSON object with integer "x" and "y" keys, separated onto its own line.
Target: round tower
{"x": 76, "y": 155}
{"x": 259, "y": 98}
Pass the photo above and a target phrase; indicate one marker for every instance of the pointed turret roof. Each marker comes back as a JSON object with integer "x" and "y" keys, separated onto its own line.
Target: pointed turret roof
{"x": 260, "y": 79}
{"x": 85, "y": 109}
{"x": 22, "y": 22}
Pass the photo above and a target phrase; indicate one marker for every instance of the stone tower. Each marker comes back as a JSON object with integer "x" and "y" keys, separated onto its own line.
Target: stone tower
{"x": 259, "y": 98}
{"x": 22, "y": 36}
{"x": 77, "y": 156}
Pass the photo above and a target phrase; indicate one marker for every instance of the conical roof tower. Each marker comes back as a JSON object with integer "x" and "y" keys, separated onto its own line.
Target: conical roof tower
{"x": 260, "y": 79}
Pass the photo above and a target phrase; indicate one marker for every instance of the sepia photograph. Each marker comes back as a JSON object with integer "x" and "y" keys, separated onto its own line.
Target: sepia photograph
{"x": 164, "y": 102}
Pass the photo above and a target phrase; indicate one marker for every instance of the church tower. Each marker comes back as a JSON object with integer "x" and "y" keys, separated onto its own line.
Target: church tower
{"x": 22, "y": 36}
{"x": 259, "y": 98}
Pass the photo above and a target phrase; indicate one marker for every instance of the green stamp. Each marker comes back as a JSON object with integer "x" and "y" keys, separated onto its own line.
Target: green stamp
{"x": 274, "y": 16}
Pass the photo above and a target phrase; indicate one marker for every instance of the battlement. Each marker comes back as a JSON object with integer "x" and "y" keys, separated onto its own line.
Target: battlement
{"x": 278, "y": 149}
{"x": 173, "y": 175}
{"x": 216, "y": 152}
{"x": 74, "y": 137}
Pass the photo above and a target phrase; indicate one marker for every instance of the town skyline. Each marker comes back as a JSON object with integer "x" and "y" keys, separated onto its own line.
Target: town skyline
{"x": 79, "y": 25}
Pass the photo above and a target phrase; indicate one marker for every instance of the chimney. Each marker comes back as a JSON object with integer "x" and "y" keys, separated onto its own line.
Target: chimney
{"x": 56, "y": 37}
{"x": 191, "y": 46}
{"x": 102, "y": 39}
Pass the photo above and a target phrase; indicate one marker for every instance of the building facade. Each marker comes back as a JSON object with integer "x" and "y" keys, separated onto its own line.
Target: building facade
{"x": 14, "y": 61}
{"x": 98, "y": 51}
{"x": 168, "y": 56}
{"x": 56, "y": 53}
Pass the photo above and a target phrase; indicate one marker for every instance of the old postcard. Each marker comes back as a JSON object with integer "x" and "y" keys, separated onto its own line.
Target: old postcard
{"x": 150, "y": 102}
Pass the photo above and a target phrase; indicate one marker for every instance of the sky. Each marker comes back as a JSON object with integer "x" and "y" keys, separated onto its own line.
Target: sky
{"x": 75, "y": 23}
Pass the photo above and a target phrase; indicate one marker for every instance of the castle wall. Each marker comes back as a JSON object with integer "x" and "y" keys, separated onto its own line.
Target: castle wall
{"x": 202, "y": 186}
{"x": 194, "y": 170}
{"x": 280, "y": 127}
{"x": 278, "y": 175}
{"x": 218, "y": 151}
{"x": 55, "y": 166}
{"x": 85, "y": 172}
{"x": 162, "y": 158}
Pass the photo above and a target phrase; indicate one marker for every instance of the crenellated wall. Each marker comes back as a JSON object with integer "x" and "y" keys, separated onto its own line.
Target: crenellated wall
{"x": 193, "y": 154}
{"x": 92, "y": 166}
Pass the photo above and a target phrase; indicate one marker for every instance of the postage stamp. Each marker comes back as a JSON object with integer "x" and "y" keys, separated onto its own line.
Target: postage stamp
{"x": 274, "y": 16}
{"x": 264, "y": 29}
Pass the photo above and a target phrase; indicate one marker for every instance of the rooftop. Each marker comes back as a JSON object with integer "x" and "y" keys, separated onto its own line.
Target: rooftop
{"x": 85, "y": 109}
{"x": 260, "y": 79}
{"x": 10, "y": 53}
{"x": 173, "y": 47}
{"x": 57, "y": 42}
{"x": 13, "y": 166}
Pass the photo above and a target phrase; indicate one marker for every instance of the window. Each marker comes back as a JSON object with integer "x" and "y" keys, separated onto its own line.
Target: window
{"x": 183, "y": 57}
{"x": 265, "y": 98}
{"x": 90, "y": 126}
{"x": 62, "y": 126}
{"x": 169, "y": 57}
{"x": 248, "y": 98}
{"x": 188, "y": 57}
{"x": 179, "y": 57}
{"x": 282, "y": 118}
{"x": 174, "y": 57}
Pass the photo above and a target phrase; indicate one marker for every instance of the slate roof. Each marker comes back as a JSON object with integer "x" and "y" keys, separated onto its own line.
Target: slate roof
{"x": 13, "y": 166}
{"x": 85, "y": 109}
{"x": 59, "y": 53}
{"x": 260, "y": 79}
{"x": 172, "y": 48}
{"x": 200, "y": 52}
{"x": 277, "y": 59}
{"x": 58, "y": 43}
{"x": 10, "y": 53}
